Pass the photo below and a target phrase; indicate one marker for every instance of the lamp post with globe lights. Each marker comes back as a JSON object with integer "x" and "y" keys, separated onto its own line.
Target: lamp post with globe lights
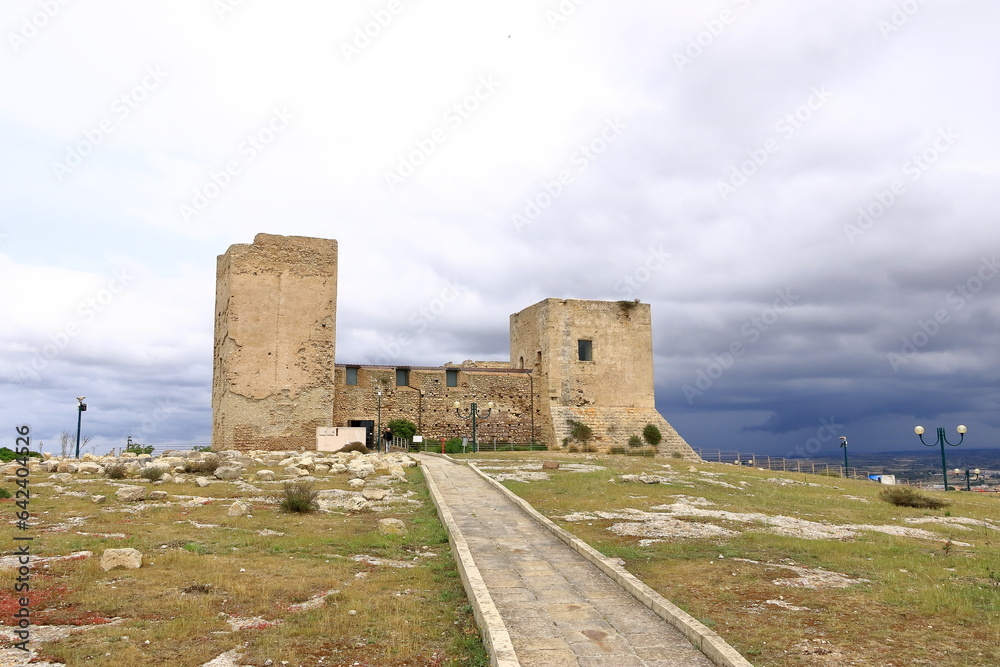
{"x": 968, "y": 474}
{"x": 475, "y": 413}
{"x": 942, "y": 440}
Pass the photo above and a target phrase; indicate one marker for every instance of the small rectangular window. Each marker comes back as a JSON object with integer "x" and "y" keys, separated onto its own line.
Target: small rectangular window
{"x": 451, "y": 378}
{"x": 402, "y": 377}
{"x": 352, "y": 376}
{"x": 586, "y": 349}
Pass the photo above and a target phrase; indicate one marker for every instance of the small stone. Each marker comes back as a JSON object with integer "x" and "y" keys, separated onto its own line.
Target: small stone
{"x": 692, "y": 469}
{"x": 167, "y": 478}
{"x": 355, "y": 483}
{"x": 374, "y": 495}
{"x": 158, "y": 495}
{"x": 99, "y": 499}
{"x": 131, "y": 494}
{"x": 265, "y": 475}
{"x": 237, "y": 509}
{"x": 130, "y": 559}
{"x": 201, "y": 482}
{"x": 550, "y": 465}
{"x": 356, "y": 504}
{"x": 391, "y": 527}
{"x": 64, "y": 478}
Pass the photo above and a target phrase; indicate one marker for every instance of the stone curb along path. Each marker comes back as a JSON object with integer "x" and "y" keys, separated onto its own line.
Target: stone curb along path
{"x": 497, "y": 636}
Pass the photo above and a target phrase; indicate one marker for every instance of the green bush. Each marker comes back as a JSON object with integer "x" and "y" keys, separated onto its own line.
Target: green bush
{"x": 651, "y": 435}
{"x": 676, "y": 455}
{"x": 205, "y": 466}
{"x": 4, "y": 493}
{"x": 116, "y": 470}
{"x": 635, "y": 441}
{"x": 300, "y": 497}
{"x": 402, "y": 428}
{"x": 642, "y": 451}
{"x": 136, "y": 448}
{"x": 453, "y": 446}
{"x": 355, "y": 447}
{"x": 580, "y": 431}
{"x": 618, "y": 449}
{"x": 907, "y": 496}
{"x": 152, "y": 473}
{"x": 7, "y": 455}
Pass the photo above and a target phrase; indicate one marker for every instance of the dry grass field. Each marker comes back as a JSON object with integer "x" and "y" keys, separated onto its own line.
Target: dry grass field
{"x": 791, "y": 569}
{"x": 270, "y": 587}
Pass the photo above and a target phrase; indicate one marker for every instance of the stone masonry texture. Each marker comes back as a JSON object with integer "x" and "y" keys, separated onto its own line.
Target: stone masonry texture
{"x": 275, "y": 377}
{"x": 275, "y": 342}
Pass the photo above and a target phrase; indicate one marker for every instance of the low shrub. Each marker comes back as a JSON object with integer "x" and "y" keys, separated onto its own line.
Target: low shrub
{"x": 635, "y": 441}
{"x": 651, "y": 434}
{"x": 152, "y": 473}
{"x": 907, "y": 496}
{"x": 642, "y": 451}
{"x": 354, "y": 447}
{"x": 205, "y": 466}
{"x": 580, "y": 431}
{"x": 7, "y": 455}
{"x": 116, "y": 470}
{"x": 300, "y": 497}
{"x": 676, "y": 455}
{"x": 4, "y": 493}
{"x": 618, "y": 449}
{"x": 453, "y": 446}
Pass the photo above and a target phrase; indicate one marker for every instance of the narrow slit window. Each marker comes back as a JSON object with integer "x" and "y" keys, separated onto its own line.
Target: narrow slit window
{"x": 451, "y": 378}
{"x": 352, "y": 376}
{"x": 402, "y": 377}
{"x": 586, "y": 350}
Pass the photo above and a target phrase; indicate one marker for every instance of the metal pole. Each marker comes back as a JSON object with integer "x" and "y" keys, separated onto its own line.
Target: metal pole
{"x": 475, "y": 408}
{"x": 944, "y": 466}
{"x": 79, "y": 418}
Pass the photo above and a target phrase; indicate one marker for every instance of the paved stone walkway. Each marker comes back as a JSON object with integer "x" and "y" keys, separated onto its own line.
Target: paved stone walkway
{"x": 558, "y": 608}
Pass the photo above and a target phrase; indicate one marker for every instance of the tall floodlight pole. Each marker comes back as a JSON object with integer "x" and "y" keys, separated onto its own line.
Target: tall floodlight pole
{"x": 942, "y": 440}
{"x": 378, "y": 432}
{"x": 843, "y": 443}
{"x": 475, "y": 413}
{"x": 79, "y": 419}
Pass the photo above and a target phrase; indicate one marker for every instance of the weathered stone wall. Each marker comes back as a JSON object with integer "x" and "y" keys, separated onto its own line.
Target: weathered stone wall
{"x": 613, "y": 393}
{"x": 275, "y": 343}
{"x": 428, "y": 401}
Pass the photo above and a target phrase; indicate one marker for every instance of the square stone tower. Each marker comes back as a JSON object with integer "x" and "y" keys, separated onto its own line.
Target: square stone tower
{"x": 275, "y": 339}
{"x": 593, "y": 363}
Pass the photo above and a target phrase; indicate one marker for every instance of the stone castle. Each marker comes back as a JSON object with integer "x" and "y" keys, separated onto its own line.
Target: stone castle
{"x": 276, "y": 382}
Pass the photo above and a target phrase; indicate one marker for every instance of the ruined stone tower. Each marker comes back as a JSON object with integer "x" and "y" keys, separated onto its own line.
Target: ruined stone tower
{"x": 593, "y": 363}
{"x": 275, "y": 339}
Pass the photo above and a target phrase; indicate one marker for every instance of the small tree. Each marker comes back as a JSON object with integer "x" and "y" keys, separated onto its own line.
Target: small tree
{"x": 402, "y": 428}
{"x": 652, "y": 435}
{"x": 635, "y": 441}
{"x": 64, "y": 440}
{"x": 580, "y": 431}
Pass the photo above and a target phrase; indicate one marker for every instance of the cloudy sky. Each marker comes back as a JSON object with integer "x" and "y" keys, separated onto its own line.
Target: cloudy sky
{"x": 805, "y": 192}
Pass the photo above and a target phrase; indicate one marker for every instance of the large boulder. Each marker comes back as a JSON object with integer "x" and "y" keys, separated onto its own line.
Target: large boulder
{"x": 374, "y": 495}
{"x": 228, "y": 473}
{"x": 265, "y": 475}
{"x": 130, "y": 559}
{"x": 131, "y": 494}
{"x": 356, "y": 504}
{"x": 89, "y": 468}
{"x": 67, "y": 466}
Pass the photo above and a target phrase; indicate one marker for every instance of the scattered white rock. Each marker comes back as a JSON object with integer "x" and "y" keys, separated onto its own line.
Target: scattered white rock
{"x": 201, "y": 482}
{"x": 391, "y": 527}
{"x": 357, "y": 504}
{"x": 131, "y": 494}
{"x": 228, "y": 473}
{"x": 356, "y": 483}
{"x": 158, "y": 495}
{"x": 265, "y": 475}
{"x": 238, "y": 509}
{"x": 130, "y": 559}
